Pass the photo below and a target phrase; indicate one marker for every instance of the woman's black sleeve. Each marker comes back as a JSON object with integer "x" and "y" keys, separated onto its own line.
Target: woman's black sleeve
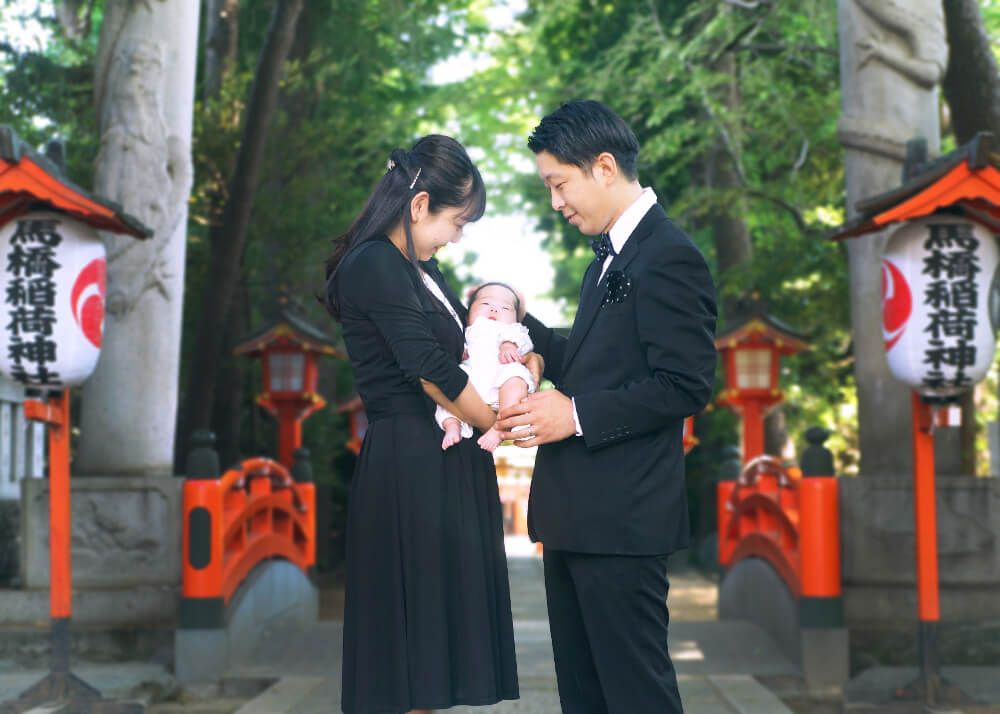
{"x": 378, "y": 284}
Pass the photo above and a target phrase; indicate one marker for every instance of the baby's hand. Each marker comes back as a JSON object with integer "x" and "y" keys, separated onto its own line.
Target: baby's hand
{"x": 509, "y": 353}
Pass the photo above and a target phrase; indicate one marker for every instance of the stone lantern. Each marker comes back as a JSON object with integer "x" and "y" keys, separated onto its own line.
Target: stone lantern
{"x": 751, "y": 349}
{"x": 289, "y": 348}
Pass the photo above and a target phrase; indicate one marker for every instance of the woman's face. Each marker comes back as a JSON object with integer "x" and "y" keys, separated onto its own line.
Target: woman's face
{"x": 432, "y": 231}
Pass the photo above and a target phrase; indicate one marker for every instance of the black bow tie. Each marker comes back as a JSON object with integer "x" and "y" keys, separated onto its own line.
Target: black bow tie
{"x": 602, "y": 247}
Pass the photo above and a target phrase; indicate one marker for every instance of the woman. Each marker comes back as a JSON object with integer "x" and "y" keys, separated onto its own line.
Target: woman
{"x": 427, "y": 620}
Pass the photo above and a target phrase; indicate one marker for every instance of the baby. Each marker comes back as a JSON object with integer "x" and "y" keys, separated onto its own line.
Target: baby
{"x": 495, "y": 346}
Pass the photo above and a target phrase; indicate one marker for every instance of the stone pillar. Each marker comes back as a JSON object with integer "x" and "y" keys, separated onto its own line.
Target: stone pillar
{"x": 144, "y": 89}
{"x": 892, "y": 56}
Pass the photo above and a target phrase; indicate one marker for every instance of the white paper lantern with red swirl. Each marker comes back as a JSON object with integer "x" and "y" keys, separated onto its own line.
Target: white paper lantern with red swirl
{"x": 937, "y": 277}
{"x": 52, "y": 288}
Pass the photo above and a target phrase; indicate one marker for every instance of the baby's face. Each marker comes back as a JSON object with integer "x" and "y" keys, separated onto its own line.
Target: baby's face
{"x": 494, "y": 302}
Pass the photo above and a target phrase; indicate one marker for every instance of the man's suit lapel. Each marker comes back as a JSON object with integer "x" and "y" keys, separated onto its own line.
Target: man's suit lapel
{"x": 591, "y": 295}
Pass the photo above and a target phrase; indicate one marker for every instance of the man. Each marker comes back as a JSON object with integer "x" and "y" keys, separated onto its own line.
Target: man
{"x": 607, "y": 496}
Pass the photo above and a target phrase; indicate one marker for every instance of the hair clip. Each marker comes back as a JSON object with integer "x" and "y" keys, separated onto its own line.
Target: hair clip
{"x": 414, "y": 181}
{"x": 389, "y": 165}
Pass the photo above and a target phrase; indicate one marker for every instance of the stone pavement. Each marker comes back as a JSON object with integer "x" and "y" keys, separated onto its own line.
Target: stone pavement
{"x": 716, "y": 661}
{"x": 728, "y": 667}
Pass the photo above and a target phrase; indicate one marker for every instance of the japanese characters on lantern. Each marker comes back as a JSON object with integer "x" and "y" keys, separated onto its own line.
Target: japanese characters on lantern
{"x": 937, "y": 274}
{"x": 52, "y": 285}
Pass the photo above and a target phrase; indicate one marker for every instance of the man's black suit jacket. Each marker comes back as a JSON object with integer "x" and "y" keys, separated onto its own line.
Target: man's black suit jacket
{"x": 639, "y": 359}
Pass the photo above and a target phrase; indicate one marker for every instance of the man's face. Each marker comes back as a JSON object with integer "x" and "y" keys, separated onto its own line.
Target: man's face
{"x": 494, "y": 302}
{"x": 580, "y": 195}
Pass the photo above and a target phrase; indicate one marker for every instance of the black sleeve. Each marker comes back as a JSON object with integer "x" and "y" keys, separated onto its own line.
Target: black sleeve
{"x": 377, "y": 284}
{"x": 550, "y": 345}
{"x": 676, "y": 314}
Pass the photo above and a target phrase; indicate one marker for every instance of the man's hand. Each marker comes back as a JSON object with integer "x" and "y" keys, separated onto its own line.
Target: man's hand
{"x": 549, "y": 415}
{"x": 509, "y": 353}
{"x": 536, "y": 365}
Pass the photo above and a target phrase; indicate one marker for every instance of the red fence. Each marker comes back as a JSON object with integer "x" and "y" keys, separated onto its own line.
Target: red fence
{"x": 234, "y": 522}
{"x": 792, "y": 522}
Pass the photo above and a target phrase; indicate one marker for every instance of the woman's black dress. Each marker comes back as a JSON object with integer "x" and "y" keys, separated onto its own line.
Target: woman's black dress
{"x": 427, "y": 619}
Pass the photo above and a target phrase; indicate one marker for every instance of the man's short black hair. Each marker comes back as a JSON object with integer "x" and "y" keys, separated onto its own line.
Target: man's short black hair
{"x": 580, "y": 130}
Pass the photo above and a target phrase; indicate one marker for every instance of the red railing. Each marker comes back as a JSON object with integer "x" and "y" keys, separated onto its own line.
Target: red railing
{"x": 234, "y": 522}
{"x": 759, "y": 517}
{"x": 773, "y": 513}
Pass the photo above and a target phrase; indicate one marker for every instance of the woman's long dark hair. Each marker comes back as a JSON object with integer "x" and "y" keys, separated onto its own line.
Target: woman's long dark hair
{"x": 437, "y": 164}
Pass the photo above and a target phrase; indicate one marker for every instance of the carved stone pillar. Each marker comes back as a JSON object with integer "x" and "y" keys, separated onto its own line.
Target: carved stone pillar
{"x": 892, "y": 56}
{"x": 145, "y": 92}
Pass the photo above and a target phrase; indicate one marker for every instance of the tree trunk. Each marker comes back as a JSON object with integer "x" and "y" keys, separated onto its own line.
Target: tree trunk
{"x": 144, "y": 92}
{"x": 972, "y": 87}
{"x": 227, "y": 417}
{"x": 229, "y": 238}
{"x": 775, "y": 432}
{"x": 221, "y": 34}
{"x": 729, "y": 232}
{"x": 972, "y": 83}
{"x": 220, "y": 37}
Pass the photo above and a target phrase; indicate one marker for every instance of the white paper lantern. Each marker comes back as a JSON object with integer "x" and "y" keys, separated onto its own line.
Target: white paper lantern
{"x": 53, "y": 285}
{"x": 937, "y": 276}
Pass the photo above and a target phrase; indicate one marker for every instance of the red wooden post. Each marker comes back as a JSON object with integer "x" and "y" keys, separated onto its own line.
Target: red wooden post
{"x": 289, "y": 433}
{"x": 925, "y": 513}
{"x": 753, "y": 429}
{"x": 61, "y": 685}
{"x": 55, "y": 414}
{"x": 60, "y": 589}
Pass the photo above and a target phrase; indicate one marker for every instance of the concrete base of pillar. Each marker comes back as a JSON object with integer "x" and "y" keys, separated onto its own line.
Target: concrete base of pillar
{"x": 879, "y": 549}
{"x": 276, "y": 600}
{"x": 126, "y": 532}
{"x": 753, "y": 590}
{"x": 825, "y": 658}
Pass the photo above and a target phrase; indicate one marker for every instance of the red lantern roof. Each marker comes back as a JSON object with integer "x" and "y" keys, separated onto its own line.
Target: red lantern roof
{"x": 29, "y": 181}
{"x": 752, "y": 323}
{"x": 965, "y": 182}
{"x": 288, "y": 328}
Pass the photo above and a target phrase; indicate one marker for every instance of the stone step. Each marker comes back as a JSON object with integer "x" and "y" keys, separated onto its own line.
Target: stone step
{"x": 745, "y": 695}
{"x": 282, "y": 696}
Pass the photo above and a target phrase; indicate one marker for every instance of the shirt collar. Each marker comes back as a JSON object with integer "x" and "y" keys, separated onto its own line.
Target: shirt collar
{"x": 628, "y": 220}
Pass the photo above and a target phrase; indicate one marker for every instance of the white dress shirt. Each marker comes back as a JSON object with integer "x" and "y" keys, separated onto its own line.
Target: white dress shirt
{"x": 626, "y": 224}
{"x": 619, "y": 234}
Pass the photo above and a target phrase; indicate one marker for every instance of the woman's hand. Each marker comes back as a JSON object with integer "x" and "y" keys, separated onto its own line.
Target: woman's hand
{"x": 535, "y": 364}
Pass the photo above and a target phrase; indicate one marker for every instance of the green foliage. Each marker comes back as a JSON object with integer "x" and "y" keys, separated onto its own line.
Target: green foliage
{"x": 46, "y": 88}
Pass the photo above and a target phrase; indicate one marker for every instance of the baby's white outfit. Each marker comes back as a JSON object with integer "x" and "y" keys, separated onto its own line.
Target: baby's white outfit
{"x": 487, "y": 374}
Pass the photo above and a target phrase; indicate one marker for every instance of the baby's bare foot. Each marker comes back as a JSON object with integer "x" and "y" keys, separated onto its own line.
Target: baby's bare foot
{"x": 490, "y": 440}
